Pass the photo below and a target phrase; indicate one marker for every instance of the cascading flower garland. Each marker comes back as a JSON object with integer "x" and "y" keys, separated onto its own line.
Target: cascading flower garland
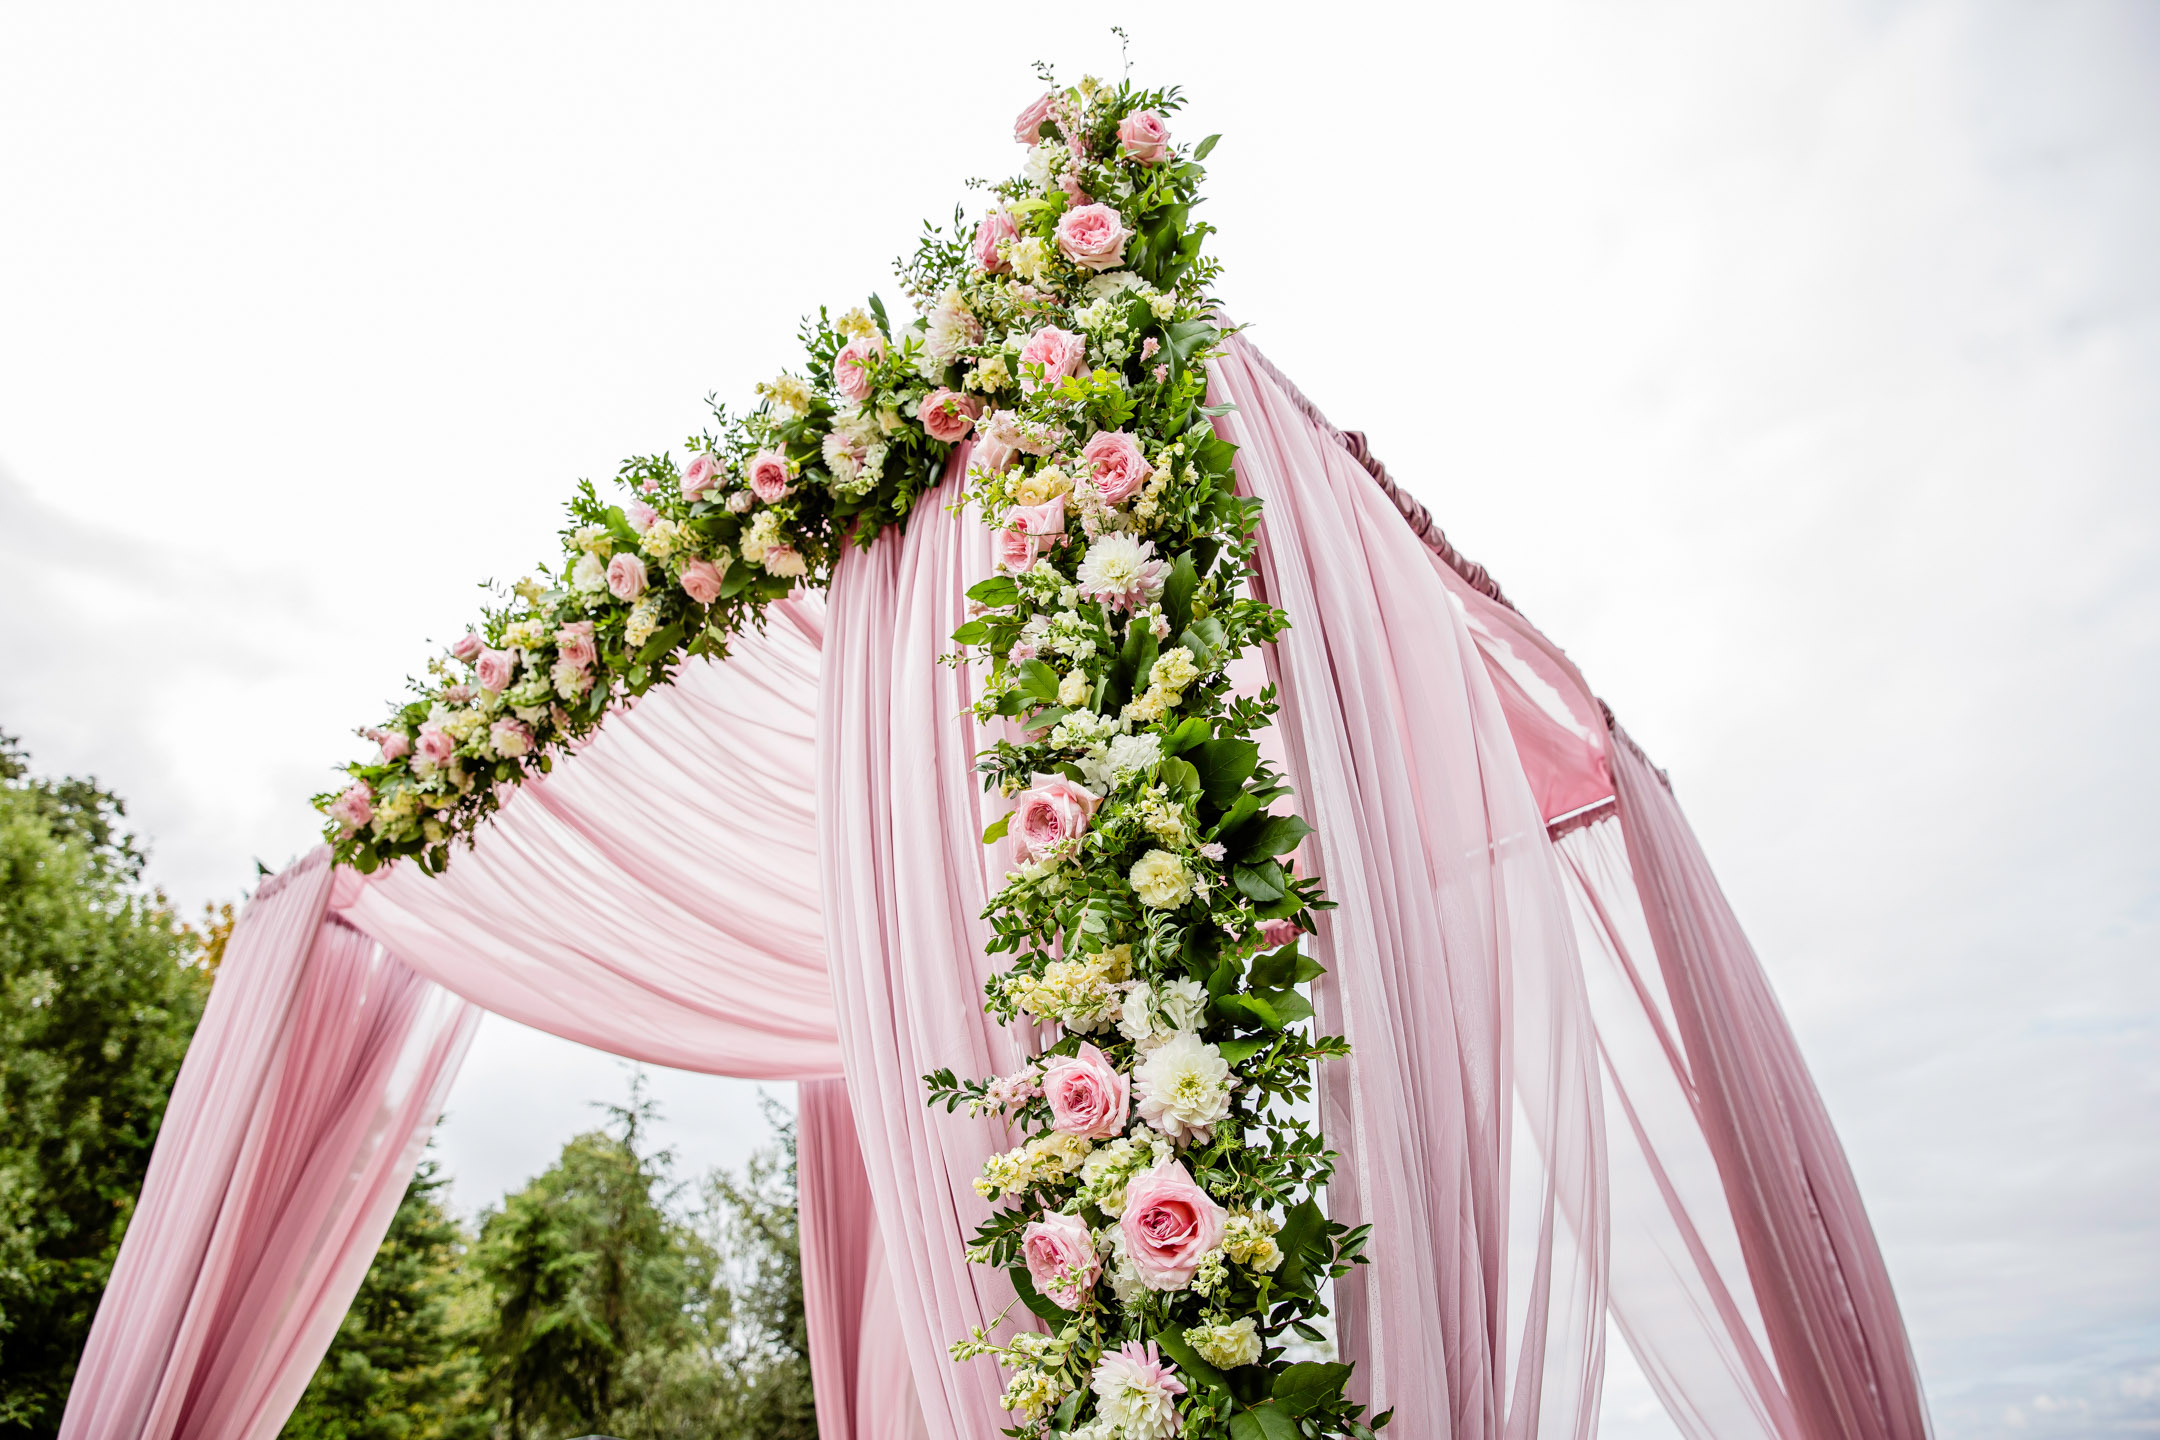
{"x": 1159, "y": 1212}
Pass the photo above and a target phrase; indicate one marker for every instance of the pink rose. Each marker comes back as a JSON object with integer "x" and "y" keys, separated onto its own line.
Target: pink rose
{"x": 948, "y": 415}
{"x": 355, "y": 808}
{"x": 1087, "y": 1095}
{"x": 1093, "y": 237}
{"x": 574, "y": 644}
{"x": 1059, "y": 352}
{"x": 1029, "y": 531}
{"x": 1053, "y": 810}
{"x": 495, "y": 668}
{"x": 767, "y": 473}
{"x": 510, "y": 738}
{"x": 1274, "y": 934}
{"x": 436, "y": 744}
{"x": 1061, "y": 1258}
{"x": 457, "y": 695}
{"x": 741, "y": 501}
{"x": 469, "y": 646}
{"x": 1144, "y": 137}
{"x": 1027, "y": 129}
{"x": 626, "y": 577}
{"x": 396, "y": 744}
{"x": 700, "y": 475}
{"x": 701, "y": 581}
{"x": 1115, "y": 463}
{"x": 997, "y": 441}
{"x": 1072, "y": 190}
{"x": 1169, "y": 1223}
{"x": 996, "y": 228}
{"x": 851, "y": 367}
{"x": 641, "y": 515}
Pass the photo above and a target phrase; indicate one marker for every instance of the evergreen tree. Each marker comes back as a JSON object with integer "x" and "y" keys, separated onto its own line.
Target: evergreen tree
{"x": 100, "y": 988}
{"x": 753, "y": 1222}
{"x": 603, "y": 1299}
{"x": 404, "y": 1364}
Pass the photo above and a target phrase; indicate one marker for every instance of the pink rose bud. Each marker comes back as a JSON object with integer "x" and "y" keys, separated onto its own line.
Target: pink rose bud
{"x": 1027, "y": 127}
{"x": 767, "y": 474}
{"x": 495, "y": 669}
{"x": 1093, "y": 237}
{"x": 395, "y": 744}
{"x": 354, "y": 808}
{"x": 700, "y": 475}
{"x": 1053, "y": 811}
{"x": 701, "y": 581}
{"x": 1087, "y": 1095}
{"x": 1061, "y": 1258}
{"x": 996, "y": 228}
{"x": 436, "y": 744}
{"x": 948, "y": 415}
{"x": 741, "y": 501}
{"x": 1144, "y": 137}
{"x": 1059, "y": 352}
{"x": 1169, "y": 1225}
{"x": 1072, "y": 190}
{"x": 574, "y": 644}
{"x": 1274, "y": 934}
{"x": 851, "y": 367}
{"x": 998, "y": 441}
{"x": 1115, "y": 465}
{"x": 468, "y": 647}
{"x": 626, "y": 577}
{"x": 641, "y": 515}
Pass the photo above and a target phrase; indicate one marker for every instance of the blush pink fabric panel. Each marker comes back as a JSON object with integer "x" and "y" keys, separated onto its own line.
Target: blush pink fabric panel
{"x": 1469, "y": 1122}
{"x": 905, "y": 880}
{"x": 656, "y": 896}
{"x": 1824, "y": 1294}
{"x": 320, "y": 1065}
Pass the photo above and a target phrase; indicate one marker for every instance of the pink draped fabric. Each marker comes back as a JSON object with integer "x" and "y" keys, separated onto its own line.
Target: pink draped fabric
{"x": 1818, "y": 1275}
{"x": 1452, "y": 967}
{"x": 294, "y": 1126}
{"x": 656, "y": 896}
{"x": 905, "y": 880}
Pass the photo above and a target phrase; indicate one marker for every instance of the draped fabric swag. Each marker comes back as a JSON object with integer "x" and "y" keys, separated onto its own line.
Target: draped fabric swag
{"x": 1572, "y": 1097}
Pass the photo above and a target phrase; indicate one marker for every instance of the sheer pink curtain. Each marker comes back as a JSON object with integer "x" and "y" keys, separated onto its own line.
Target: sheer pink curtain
{"x": 296, "y": 1122}
{"x": 1823, "y": 1292}
{"x": 1451, "y": 964}
{"x": 906, "y": 877}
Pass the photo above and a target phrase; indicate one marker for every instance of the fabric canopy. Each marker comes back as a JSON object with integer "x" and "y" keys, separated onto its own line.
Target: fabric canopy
{"x": 1572, "y": 1093}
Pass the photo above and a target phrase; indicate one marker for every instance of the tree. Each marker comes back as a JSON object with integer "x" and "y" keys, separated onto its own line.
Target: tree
{"x": 100, "y": 989}
{"x": 603, "y": 1299}
{"x": 403, "y": 1365}
{"x": 753, "y": 1222}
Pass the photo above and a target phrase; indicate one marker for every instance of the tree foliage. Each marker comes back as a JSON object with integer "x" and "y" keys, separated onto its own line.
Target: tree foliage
{"x": 100, "y": 988}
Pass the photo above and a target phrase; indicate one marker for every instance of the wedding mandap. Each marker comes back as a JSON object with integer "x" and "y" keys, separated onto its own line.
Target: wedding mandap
{"x": 1239, "y": 978}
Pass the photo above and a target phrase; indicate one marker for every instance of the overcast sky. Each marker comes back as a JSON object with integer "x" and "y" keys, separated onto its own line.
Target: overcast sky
{"x": 1796, "y": 366}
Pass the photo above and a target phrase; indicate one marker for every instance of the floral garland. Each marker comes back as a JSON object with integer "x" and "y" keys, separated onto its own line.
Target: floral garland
{"x": 1160, "y": 1213}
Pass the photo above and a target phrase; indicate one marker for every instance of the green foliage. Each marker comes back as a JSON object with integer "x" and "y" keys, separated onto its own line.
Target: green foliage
{"x": 593, "y": 1300}
{"x": 403, "y": 1364}
{"x": 100, "y": 988}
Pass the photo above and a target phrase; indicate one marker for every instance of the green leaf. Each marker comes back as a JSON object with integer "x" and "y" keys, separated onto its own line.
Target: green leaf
{"x": 1252, "y": 1008}
{"x": 1224, "y": 767}
{"x": 1262, "y": 882}
{"x": 1174, "y": 1344}
{"x": 736, "y": 581}
{"x": 1035, "y": 1300}
{"x": 1178, "y": 592}
{"x": 1068, "y": 1412}
{"x": 1034, "y": 680}
{"x": 1179, "y": 777}
{"x": 972, "y": 633}
{"x": 1274, "y": 970}
{"x": 1244, "y": 1427}
{"x": 877, "y": 308}
{"x": 1201, "y": 151}
{"x": 1303, "y": 1226}
{"x": 1276, "y": 835}
{"x": 1286, "y": 1005}
{"x": 997, "y": 591}
{"x": 996, "y": 830}
{"x": 1304, "y": 1388}
{"x": 1192, "y": 732}
{"x": 1237, "y": 1052}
